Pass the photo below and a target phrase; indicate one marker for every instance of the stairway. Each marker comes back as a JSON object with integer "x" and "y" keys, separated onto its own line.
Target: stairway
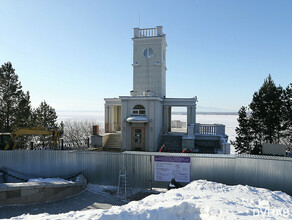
{"x": 113, "y": 143}
{"x": 172, "y": 142}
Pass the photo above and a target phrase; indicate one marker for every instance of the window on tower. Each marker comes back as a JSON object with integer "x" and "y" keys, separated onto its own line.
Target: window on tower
{"x": 138, "y": 110}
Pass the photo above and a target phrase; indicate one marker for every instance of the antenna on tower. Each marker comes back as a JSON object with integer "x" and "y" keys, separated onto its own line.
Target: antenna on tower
{"x": 139, "y": 19}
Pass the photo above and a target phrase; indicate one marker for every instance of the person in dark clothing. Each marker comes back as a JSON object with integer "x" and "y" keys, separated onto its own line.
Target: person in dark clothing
{"x": 163, "y": 149}
{"x": 173, "y": 184}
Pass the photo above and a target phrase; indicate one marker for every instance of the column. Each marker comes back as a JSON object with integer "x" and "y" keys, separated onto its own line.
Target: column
{"x": 169, "y": 119}
{"x": 110, "y": 121}
{"x": 165, "y": 119}
{"x": 106, "y": 118}
{"x": 189, "y": 115}
{"x": 115, "y": 118}
{"x": 193, "y": 120}
{"x": 119, "y": 115}
{"x": 126, "y": 128}
{"x": 159, "y": 30}
{"x": 136, "y": 32}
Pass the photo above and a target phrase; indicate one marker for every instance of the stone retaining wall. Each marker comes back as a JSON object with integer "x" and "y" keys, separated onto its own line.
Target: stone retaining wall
{"x": 36, "y": 192}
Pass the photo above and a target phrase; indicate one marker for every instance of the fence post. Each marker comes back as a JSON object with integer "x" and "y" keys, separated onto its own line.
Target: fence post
{"x": 151, "y": 172}
{"x": 87, "y": 141}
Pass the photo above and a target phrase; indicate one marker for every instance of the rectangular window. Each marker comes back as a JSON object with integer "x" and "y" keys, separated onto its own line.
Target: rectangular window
{"x": 138, "y": 131}
{"x": 138, "y": 112}
{"x": 138, "y": 137}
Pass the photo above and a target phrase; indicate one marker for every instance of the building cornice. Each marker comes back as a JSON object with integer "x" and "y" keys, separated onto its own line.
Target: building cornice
{"x": 180, "y": 101}
{"x": 141, "y": 98}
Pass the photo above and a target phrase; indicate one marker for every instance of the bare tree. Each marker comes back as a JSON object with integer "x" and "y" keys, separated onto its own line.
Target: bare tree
{"x": 77, "y": 133}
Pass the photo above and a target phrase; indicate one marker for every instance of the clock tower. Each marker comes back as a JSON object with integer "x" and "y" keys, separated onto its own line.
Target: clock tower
{"x": 149, "y": 64}
{"x": 142, "y": 121}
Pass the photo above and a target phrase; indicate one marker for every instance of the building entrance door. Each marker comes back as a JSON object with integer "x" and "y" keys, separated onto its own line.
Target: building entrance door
{"x": 138, "y": 138}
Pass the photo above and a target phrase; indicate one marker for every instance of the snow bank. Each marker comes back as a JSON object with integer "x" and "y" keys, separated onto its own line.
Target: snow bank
{"x": 112, "y": 190}
{"x": 49, "y": 180}
{"x": 100, "y": 188}
{"x": 198, "y": 200}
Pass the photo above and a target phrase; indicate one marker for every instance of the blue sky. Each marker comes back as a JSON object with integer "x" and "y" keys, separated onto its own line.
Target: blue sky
{"x": 74, "y": 53}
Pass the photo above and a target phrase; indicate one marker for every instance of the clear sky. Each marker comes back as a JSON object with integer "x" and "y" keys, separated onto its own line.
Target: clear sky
{"x": 74, "y": 53}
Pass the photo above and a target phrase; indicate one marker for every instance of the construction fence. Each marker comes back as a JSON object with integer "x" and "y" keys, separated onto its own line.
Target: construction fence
{"x": 103, "y": 168}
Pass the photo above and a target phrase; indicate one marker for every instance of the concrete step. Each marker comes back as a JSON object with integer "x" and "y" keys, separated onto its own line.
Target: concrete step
{"x": 113, "y": 143}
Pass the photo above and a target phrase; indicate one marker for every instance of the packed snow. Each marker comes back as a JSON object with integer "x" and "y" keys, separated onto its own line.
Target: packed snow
{"x": 200, "y": 199}
{"x": 49, "y": 180}
{"x": 96, "y": 189}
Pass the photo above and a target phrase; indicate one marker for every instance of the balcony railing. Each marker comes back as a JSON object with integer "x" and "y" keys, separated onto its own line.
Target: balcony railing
{"x": 210, "y": 129}
{"x": 148, "y": 32}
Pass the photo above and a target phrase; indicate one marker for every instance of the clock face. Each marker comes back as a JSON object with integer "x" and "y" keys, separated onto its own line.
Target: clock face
{"x": 148, "y": 52}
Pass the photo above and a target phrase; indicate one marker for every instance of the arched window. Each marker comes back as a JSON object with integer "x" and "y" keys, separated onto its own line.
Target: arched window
{"x": 138, "y": 110}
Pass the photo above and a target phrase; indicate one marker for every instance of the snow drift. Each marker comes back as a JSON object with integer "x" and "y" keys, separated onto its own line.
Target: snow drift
{"x": 198, "y": 200}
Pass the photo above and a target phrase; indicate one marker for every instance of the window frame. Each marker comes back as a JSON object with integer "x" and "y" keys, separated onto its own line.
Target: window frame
{"x": 139, "y": 110}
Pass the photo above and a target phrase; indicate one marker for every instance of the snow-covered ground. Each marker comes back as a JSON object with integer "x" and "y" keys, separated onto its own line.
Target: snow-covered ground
{"x": 200, "y": 199}
{"x": 49, "y": 180}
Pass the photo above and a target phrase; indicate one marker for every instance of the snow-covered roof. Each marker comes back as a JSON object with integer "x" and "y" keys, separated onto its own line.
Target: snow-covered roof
{"x": 138, "y": 119}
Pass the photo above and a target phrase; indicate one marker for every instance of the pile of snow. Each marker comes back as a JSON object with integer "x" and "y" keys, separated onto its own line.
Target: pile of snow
{"x": 97, "y": 189}
{"x": 49, "y": 180}
{"x": 198, "y": 200}
{"x": 112, "y": 190}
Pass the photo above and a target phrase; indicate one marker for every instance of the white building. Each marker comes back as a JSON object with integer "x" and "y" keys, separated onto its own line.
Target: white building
{"x": 142, "y": 120}
{"x": 178, "y": 124}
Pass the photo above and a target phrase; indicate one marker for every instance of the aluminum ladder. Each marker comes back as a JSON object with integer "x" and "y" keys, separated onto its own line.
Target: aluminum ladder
{"x": 124, "y": 187}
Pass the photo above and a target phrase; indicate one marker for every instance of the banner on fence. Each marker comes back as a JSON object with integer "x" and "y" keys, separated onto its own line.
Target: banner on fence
{"x": 166, "y": 168}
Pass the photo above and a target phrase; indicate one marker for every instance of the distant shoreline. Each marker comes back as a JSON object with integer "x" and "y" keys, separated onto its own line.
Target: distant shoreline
{"x": 174, "y": 113}
{"x": 207, "y": 113}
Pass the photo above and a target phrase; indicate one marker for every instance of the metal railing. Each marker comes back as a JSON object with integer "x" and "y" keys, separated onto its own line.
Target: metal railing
{"x": 148, "y": 32}
{"x": 210, "y": 129}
